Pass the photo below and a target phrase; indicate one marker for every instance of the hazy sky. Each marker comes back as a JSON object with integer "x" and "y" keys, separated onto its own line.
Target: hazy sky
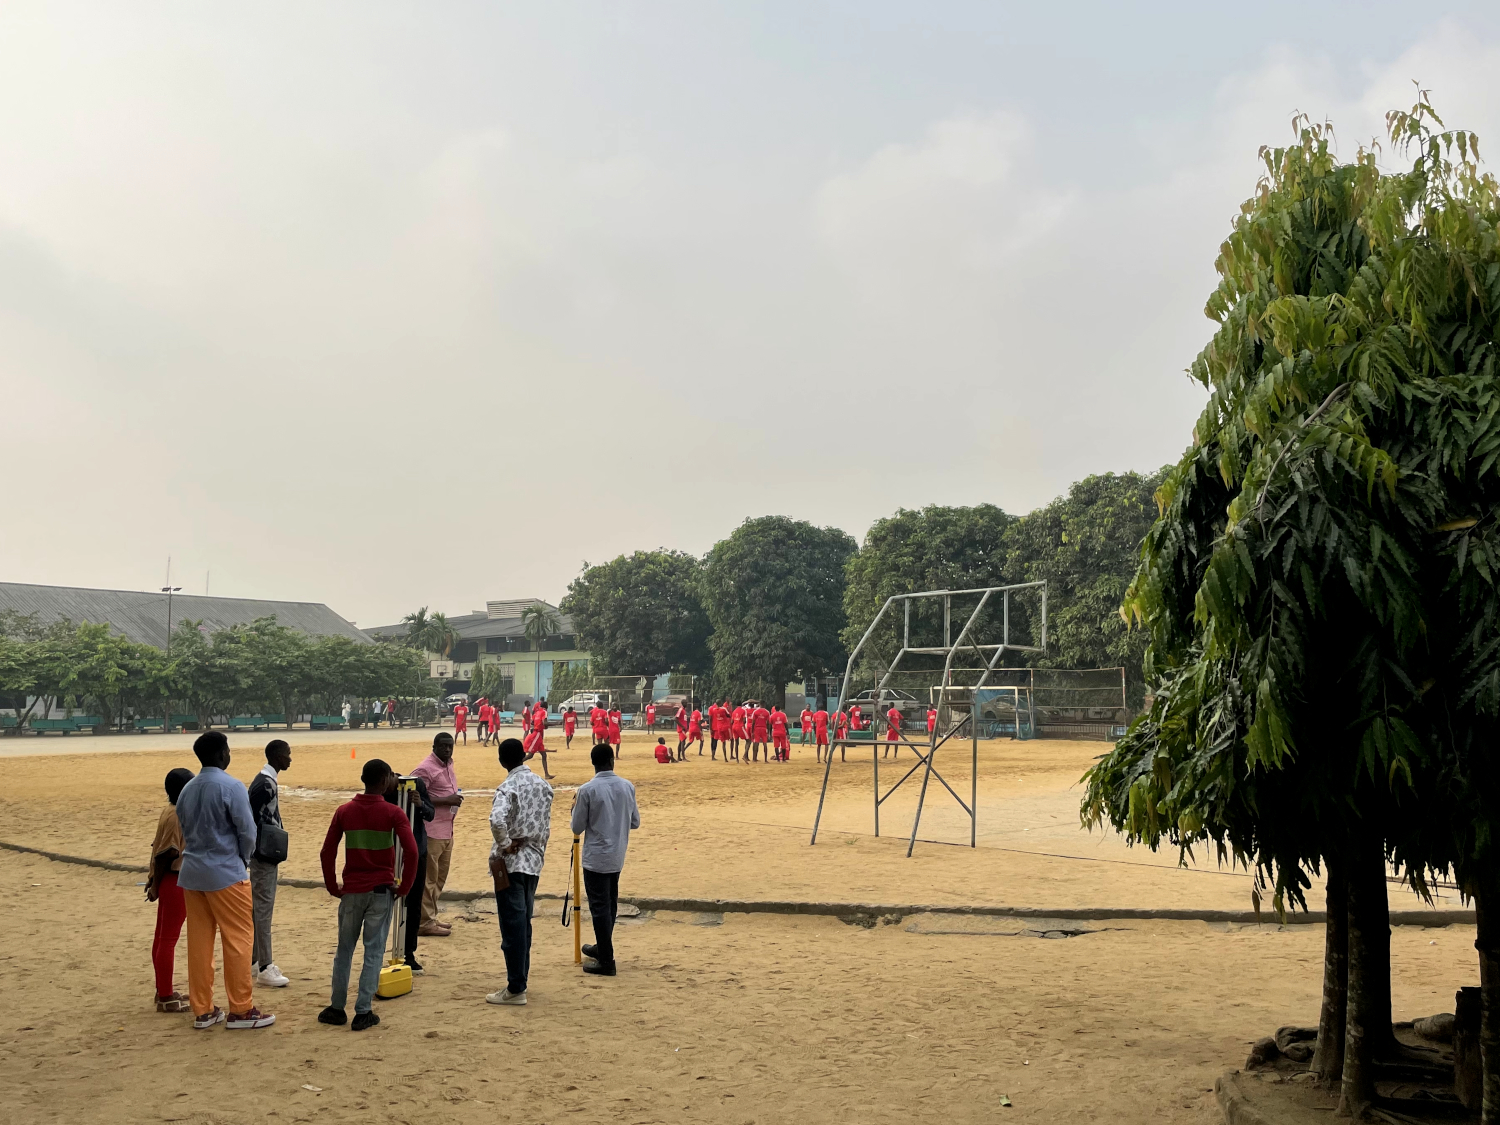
{"x": 400, "y": 305}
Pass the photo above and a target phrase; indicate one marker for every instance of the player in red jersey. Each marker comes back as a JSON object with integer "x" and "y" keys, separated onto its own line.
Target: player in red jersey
{"x": 570, "y": 724}
{"x": 856, "y": 718}
{"x": 613, "y": 729}
{"x": 682, "y": 725}
{"x": 695, "y": 730}
{"x": 599, "y": 723}
{"x": 840, "y": 730}
{"x": 539, "y": 735}
{"x": 485, "y": 712}
{"x": 718, "y": 729}
{"x": 892, "y": 731}
{"x": 820, "y": 731}
{"x": 780, "y": 741}
{"x": 650, "y": 715}
{"x": 804, "y": 722}
{"x": 737, "y": 730}
{"x": 461, "y": 721}
{"x": 931, "y": 719}
{"x": 760, "y": 732}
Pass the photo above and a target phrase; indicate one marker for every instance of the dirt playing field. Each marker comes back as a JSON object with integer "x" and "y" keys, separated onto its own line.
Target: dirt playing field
{"x": 720, "y": 1016}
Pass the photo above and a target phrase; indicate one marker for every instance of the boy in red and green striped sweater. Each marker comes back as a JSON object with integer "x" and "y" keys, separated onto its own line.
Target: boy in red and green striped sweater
{"x": 370, "y": 828}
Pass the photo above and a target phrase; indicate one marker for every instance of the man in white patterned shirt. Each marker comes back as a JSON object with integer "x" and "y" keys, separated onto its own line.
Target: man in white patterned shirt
{"x": 521, "y": 822}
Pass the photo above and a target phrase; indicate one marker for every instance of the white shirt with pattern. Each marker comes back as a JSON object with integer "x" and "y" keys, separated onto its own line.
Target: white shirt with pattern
{"x": 522, "y": 810}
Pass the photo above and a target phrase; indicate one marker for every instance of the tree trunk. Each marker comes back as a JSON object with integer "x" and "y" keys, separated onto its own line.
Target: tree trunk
{"x": 1368, "y": 1022}
{"x": 1328, "y": 1060}
{"x": 1487, "y": 941}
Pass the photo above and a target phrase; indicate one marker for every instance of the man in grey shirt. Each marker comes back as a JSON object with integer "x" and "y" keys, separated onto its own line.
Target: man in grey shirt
{"x": 604, "y": 812}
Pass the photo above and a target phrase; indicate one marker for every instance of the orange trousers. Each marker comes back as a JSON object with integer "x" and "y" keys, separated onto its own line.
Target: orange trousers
{"x": 227, "y": 911}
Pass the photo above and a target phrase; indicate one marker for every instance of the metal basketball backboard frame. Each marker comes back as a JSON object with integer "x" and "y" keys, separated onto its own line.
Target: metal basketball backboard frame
{"x": 989, "y": 656}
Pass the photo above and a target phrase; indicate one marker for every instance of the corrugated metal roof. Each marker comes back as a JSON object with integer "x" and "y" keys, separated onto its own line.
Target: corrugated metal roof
{"x": 142, "y": 616}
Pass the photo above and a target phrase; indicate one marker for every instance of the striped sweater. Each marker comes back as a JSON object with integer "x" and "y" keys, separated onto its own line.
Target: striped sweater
{"x": 369, "y": 828}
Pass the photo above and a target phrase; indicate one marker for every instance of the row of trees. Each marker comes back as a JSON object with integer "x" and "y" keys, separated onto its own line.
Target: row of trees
{"x": 258, "y": 668}
{"x": 1322, "y": 593}
{"x": 780, "y": 599}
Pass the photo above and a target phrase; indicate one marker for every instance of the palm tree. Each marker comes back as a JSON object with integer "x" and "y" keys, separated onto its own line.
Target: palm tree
{"x": 442, "y": 635}
{"x": 418, "y": 627}
{"x": 538, "y": 622}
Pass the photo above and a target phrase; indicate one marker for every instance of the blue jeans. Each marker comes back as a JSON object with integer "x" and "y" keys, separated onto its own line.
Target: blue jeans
{"x": 514, "y": 905}
{"x": 368, "y": 913}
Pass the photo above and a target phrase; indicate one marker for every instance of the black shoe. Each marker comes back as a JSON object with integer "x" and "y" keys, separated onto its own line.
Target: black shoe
{"x": 591, "y": 951}
{"x": 598, "y": 969}
{"x": 333, "y": 1015}
{"x": 363, "y": 1020}
{"x": 415, "y": 966}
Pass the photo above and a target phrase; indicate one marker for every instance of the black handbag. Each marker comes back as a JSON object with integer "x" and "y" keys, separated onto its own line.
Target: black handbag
{"x": 271, "y": 844}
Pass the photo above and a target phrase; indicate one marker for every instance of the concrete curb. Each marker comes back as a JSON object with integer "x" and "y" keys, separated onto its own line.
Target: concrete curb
{"x": 869, "y": 910}
{"x": 1234, "y": 1105}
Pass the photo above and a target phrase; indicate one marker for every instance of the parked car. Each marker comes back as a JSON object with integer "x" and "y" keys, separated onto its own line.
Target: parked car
{"x": 452, "y": 701}
{"x": 668, "y": 706}
{"x": 584, "y": 701}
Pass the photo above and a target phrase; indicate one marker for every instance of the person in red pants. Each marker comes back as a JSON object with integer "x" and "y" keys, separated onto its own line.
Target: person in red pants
{"x": 162, "y": 889}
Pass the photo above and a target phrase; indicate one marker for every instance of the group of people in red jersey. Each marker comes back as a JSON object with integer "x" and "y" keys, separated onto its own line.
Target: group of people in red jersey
{"x": 759, "y": 728}
{"x": 605, "y": 723}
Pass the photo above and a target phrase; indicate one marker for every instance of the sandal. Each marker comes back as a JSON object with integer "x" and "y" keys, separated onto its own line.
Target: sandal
{"x": 176, "y": 1002}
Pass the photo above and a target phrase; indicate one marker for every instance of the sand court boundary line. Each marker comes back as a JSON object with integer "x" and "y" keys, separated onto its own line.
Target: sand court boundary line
{"x": 868, "y": 911}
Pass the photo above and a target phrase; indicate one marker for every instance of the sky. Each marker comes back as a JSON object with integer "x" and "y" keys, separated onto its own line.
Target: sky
{"x": 392, "y": 305}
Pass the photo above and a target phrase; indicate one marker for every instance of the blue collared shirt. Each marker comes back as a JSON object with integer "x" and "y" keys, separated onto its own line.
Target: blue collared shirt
{"x": 218, "y": 831}
{"x": 604, "y": 811}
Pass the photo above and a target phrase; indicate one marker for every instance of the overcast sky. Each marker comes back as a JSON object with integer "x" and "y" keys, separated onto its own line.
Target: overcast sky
{"x": 419, "y": 304}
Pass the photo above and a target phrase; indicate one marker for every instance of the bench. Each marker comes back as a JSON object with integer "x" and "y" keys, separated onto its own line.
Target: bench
{"x": 9, "y": 722}
{"x": 274, "y": 720}
{"x": 240, "y": 722}
{"x": 327, "y": 722}
{"x": 42, "y": 726}
{"x": 143, "y": 724}
{"x": 185, "y": 722}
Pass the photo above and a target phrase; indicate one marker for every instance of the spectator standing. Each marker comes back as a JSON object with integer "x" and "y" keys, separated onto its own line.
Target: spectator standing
{"x": 370, "y": 829}
{"x": 436, "y": 770}
{"x": 347, "y": 711}
{"x": 218, "y": 835}
{"x": 422, "y": 812}
{"x": 521, "y": 822}
{"x": 162, "y": 889}
{"x": 604, "y": 814}
{"x": 265, "y": 862}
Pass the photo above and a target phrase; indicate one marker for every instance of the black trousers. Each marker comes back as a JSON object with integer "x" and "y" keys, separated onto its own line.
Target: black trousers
{"x": 603, "y": 891}
{"x": 414, "y": 905}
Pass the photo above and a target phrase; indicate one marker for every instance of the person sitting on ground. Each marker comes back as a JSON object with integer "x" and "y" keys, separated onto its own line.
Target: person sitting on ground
{"x": 370, "y": 829}
{"x": 663, "y": 751}
{"x": 162, "y": 889}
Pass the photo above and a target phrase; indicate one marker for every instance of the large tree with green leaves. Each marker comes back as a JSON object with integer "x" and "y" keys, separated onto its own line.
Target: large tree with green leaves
{"x": 934, "y": 548}
{"x": 1291, "y": 588}
{"x": 774, "y": 594}
{"x": 1085, "y": 546}
{"x": 640, "y": 614}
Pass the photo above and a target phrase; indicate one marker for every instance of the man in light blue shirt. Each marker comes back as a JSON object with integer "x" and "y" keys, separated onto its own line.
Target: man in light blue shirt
{"x": 604, "y": 813}
{"x": 218, "y": 837}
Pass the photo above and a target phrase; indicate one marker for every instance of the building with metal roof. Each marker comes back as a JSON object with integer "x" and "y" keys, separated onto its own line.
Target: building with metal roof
{"x": 496, "y": 635}
{"x": 141, "y": 616}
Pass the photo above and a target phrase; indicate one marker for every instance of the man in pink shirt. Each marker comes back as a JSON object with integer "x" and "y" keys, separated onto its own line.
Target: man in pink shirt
{"x": 436, "y": 771}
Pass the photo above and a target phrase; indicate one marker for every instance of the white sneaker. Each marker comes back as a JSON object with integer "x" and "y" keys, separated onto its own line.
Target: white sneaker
{"x": 271, "y": 977}
{"x": 505, "y": 996}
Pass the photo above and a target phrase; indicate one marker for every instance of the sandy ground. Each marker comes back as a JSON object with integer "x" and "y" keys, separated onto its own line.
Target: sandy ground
{"x": 724, "y": 1017}
{"x": 709, "y": 830}
{"x": 733, "y": 1018}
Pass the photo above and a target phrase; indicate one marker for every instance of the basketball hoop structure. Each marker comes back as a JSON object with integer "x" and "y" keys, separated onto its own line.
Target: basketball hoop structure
{"x": 989, "y": 658}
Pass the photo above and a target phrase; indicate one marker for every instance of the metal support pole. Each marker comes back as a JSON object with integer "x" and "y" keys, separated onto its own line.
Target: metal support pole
{"x": 974, "y": 775}
{"x": 875, "y": 754}
{"x": 577, "y": 906}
